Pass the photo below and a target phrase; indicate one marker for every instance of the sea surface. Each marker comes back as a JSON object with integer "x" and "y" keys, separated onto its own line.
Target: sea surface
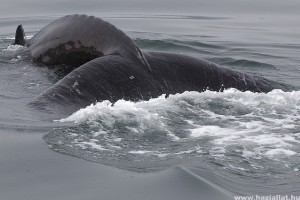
{"x": 242, "y": 142}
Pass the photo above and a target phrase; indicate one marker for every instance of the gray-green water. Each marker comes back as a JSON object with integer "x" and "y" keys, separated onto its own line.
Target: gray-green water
{"x": 244, "y": 142}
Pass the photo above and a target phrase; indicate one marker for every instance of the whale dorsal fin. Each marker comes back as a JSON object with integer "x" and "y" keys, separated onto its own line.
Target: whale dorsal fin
{"x": 20, "y": 38}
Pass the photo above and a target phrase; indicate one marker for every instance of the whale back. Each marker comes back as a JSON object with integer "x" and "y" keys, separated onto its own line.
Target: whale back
{"x": 114, "y": 77}
{"x": 105, "y": 78}
{"x": 77, "y": 39}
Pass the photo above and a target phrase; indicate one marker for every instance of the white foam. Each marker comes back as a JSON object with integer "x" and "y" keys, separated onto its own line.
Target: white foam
{"x": 140, "y": 152}
{"x": 275, "y": 152}
{"x": 91, "y": 144}
{"x": 13, "y": 48}
{"x": 253, "y": 125}
{"x": 17, "y": 59}
{"x": 196, "y": 149}
{"x": 238, "y": 168}
{"x": 289, "y": 126}
{"x": 248, "y": 154}
{"x": 208, "y": 130}
{"x": 173, "y": 136}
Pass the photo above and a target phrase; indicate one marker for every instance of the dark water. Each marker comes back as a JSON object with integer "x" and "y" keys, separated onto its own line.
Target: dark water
{"x": 246, "y": 143}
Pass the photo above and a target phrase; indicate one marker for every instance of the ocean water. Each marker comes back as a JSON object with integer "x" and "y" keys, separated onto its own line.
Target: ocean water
{"x": 245, "y": 143}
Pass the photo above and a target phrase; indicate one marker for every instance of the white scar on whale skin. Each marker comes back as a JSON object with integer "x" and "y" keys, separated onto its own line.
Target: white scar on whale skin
{"x": 75, "y": 86}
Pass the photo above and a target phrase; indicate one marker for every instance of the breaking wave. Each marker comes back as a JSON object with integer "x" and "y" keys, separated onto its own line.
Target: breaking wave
{"x": 243, "y": 131}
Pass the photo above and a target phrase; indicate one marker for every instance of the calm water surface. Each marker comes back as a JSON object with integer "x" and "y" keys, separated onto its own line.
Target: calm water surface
{"x": 244, "y": 142}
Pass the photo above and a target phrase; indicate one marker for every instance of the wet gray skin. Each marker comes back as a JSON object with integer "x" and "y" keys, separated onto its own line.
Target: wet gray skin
{"x": 114, "y": 77}
{"x": 112, "y": 67}
{"x": 76, "y": 39}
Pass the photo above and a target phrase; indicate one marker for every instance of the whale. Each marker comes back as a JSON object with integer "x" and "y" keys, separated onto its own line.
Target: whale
{"x": 108, "y": 65}
{"x": 113, "y": 78}
{"x": 76, "y": 39}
